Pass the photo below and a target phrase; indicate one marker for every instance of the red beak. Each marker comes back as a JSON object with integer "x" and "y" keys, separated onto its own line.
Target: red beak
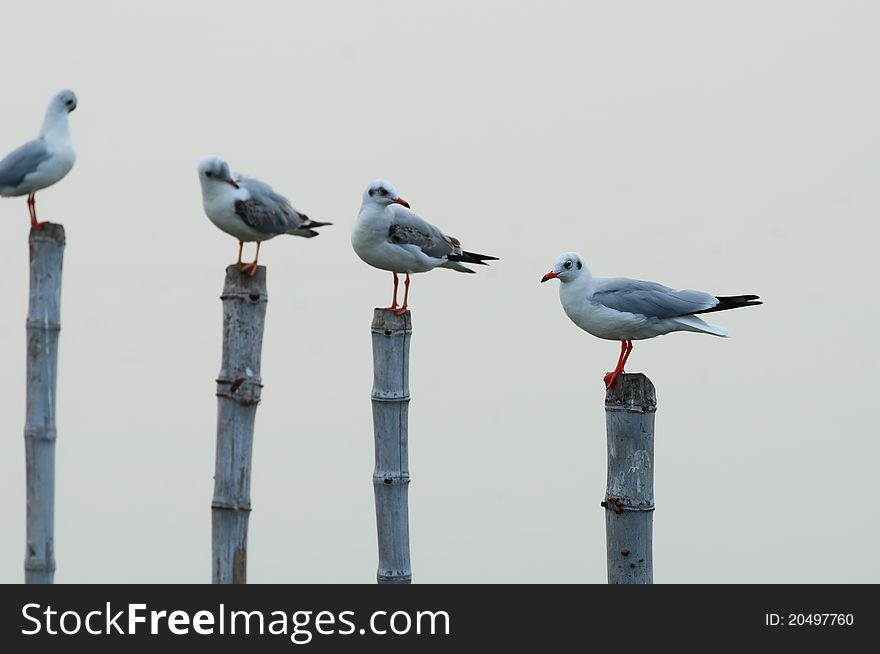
{"x": 549, "y": 275}
{"x": 401, "y": 201}
{"x": 232, "y": 182}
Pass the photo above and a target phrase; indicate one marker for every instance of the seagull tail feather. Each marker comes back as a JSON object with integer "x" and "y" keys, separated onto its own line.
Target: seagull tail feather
{"x": 693, "y": 324}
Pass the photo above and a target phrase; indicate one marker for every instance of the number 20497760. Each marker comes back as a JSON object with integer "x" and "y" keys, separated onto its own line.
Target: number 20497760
{"x": 808, "y": 619}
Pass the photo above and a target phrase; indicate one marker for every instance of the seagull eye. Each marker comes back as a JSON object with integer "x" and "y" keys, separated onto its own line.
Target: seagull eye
{"x": 209, "y": 174}
{"x": 567, "y": 265}
{"x": 382, "y": 191}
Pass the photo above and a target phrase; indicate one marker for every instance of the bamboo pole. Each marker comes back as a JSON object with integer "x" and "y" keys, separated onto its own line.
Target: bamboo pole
{"x": 630, "y": 405}
{"x": 43, "y": 329}
{"x": 390, "y": 397}
{"x": 238, "y": 393}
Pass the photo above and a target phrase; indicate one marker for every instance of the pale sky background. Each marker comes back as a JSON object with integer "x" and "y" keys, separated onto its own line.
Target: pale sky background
{"x": 726, "y": 146}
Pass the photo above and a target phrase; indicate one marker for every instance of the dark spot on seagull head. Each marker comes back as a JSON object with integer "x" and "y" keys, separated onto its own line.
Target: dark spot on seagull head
{"x": 65, "y": 100}
{"x": 383, "y": 192}
{"x": 567, "y": 266}
{"x": 215, "y": 169}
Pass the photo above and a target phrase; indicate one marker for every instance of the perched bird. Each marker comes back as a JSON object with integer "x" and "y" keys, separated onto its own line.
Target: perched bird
{"x": 389, "y": 236}
{"x": 44, "y": 161}
{"x": 623, "y": 309}
{"x": 248, "y": 209}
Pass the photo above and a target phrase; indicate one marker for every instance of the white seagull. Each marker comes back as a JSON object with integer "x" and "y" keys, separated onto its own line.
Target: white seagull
{"x": 624, "y": 309}
{"x": 389, "y": 236}
{"x": 44, "y": 161}
{"x": 248, "y": 209}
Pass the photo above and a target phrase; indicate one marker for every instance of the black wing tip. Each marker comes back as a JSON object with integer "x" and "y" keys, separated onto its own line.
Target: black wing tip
{"x": 473, "y": 257}
{"x": 306, "y": 229}
{"x": 746, "y": 298}
{"x": 726, "y": 302}
{"x": 739, "y": 300}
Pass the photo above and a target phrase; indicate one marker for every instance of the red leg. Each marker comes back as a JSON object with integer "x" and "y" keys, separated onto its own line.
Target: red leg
{"x": 32, "y": 209}
{"x": 402, "y": 310}
{"x": 240, "y": 248}
{"x": 256, "y": 259}
{"x": 625, "y": 349}
{"x": 251, "y": 268}
{"x": 629, "y": 348}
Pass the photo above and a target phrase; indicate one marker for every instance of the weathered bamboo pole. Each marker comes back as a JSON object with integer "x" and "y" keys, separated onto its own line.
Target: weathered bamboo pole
{"x": 43, "y": 329}
{"x": 630, "y": 405}
{"x": 391, "y": 335}
{"x": 238, "y": 393}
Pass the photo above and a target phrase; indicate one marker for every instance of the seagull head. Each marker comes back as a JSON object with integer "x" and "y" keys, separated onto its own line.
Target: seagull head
{"x": 215, "y": 170}
{"x": 567, "y": 267}
{"x": 383, "y": 193}
{"x": 63, "y": 101}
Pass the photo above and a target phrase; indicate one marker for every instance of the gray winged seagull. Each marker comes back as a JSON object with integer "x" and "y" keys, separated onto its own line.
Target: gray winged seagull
{"x": 625, "y": 310}
{"x": 389, "y": 236}
{"x": 248, "y": 209}
{"x": 44, "y": 161}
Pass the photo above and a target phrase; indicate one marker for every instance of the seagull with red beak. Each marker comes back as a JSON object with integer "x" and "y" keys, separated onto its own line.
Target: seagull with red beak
{"x": 625, "y": 310}
{"x": 388, "y": 235}
{"x": 44, "y": 161}
{"x": 248, "y": 209}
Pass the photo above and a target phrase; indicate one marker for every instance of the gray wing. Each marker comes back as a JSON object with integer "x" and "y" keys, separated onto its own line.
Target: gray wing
{"x": 267, "y": 211}
{"x": 22, "y": 161}
{"x": 408, "y": 229}
{"x": 650, "y": 298}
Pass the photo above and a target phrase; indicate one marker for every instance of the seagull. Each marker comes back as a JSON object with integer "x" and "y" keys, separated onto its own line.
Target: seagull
{"x": 44, "y": 161}
{"x": 389, "y": 236}
{"x": 248, "y": 209}
{"x": 617, "y": 308}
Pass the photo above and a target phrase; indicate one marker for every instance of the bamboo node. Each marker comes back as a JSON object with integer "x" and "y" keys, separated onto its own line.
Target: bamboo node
{"x": 246, "y": 296}
{"x": 39, "y": 433}
{"x": 631, "y": 408}
{"x": 244, "y": 390}
{"x": 389, "y": 480}
{"x": 621, "y": 504}
{"x": 389, "y": 396}
{"x": 230, "y": 504}
{"x": 31, "y": 323}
